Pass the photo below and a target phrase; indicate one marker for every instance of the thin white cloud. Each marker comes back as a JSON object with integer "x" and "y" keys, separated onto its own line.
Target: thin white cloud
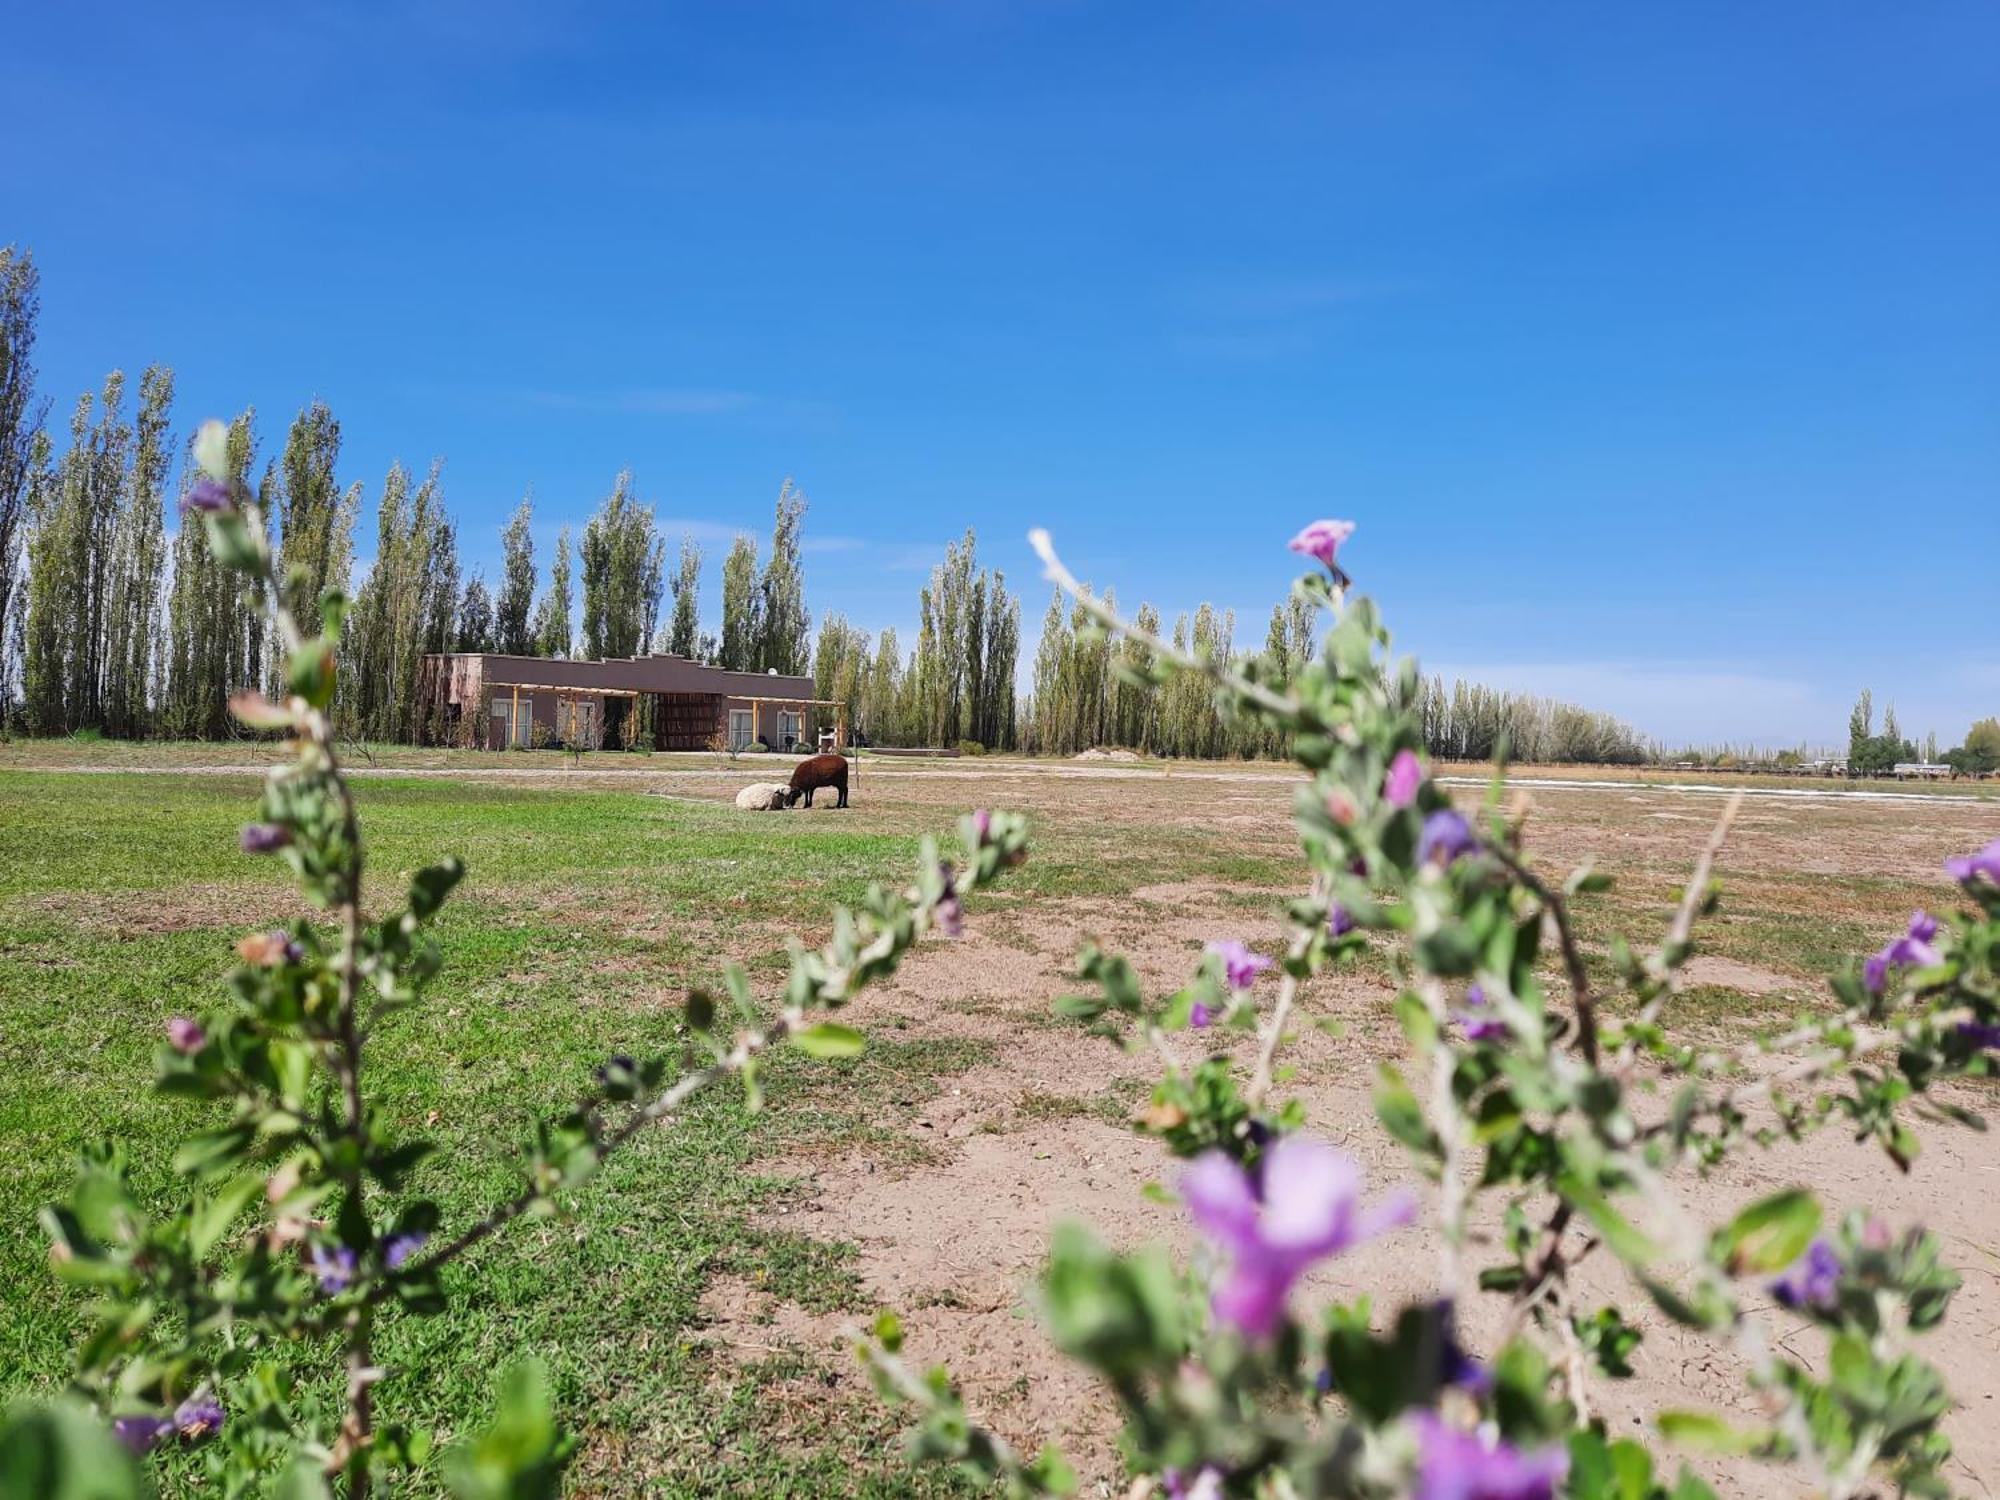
{"x": 811, "y": 544}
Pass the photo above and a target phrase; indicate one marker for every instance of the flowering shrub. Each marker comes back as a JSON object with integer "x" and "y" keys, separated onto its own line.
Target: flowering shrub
{"x": 300, "y": 1228}
{"x": 1559, "y": 1090}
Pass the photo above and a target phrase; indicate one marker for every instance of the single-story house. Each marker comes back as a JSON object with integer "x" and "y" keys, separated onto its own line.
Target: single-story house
{"x": 494, "y": 702}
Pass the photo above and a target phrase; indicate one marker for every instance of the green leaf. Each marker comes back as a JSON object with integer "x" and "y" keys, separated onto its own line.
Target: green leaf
{"x": 1770, "y": 1234}
{"x": 829, "y": 1039}
{"x": 430, "y": 885}
{"x": 63, "y": 1453}
{"x": 889, "y": 1330}
{"x": 521, "y": 1456}
{"x": 1704, "y": 1432}
{"x": 310, "y": 671}
{"x": 232, "y": 542}
{"x": 1400, "y": 1113}
{"x": 1624, "y": 1238}
{"x": 214, "y": 1213}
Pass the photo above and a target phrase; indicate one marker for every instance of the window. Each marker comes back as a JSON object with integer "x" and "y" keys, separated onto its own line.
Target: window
{"x": 791, "y": 728}
{"x": 511, "y": 727}
{"x": 741, "y": 727}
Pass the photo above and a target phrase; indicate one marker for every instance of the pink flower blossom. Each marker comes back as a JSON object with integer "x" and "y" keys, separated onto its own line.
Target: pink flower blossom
{"x": 1913, "y": 949}
{"x": 1322, "y": 539}
{"x": 185, "y": 1035}
{"x": 1239, "y": 965}
{"x": 1406, "y": 775}
{"x": 1453, "y": 1464}
{"x": 1309, "y": 1207}
{"x": 1980, "y": 862}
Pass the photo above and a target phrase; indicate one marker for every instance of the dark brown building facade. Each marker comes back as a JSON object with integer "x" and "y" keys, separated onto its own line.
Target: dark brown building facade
{"x": 494, "y": 702}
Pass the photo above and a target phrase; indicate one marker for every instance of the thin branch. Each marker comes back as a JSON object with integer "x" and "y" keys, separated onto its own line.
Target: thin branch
{"x": 1557, "y": 908}
{"x": 1288, "y": 990}
{"x": 1284, "y": 705}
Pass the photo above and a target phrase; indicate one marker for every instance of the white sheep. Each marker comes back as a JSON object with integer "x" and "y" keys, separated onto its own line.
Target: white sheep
{"x": 762, "y": 796}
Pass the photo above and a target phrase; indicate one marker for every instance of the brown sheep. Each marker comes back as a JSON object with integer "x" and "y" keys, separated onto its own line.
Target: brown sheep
{"x": 821, "y": 770}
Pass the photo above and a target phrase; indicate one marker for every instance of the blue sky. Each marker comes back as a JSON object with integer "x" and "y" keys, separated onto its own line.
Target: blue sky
{"x": 1656, "y": 349}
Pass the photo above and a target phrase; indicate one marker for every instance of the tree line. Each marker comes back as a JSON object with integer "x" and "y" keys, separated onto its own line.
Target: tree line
{"x": 1873, "y": 752}
{"x": 110, "y": 625}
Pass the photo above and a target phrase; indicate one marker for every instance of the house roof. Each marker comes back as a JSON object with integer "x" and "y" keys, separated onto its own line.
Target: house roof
{"x": 633, "y": 674}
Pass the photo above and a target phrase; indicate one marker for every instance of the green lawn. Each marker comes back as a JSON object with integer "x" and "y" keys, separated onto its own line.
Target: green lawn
{"x": 584, "y": 917}
{"x": 582, "y": 920}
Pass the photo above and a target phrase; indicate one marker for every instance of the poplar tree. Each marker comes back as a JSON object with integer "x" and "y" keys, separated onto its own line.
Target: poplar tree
{"x": 741, "y": 616}
{"x": 138, "y": 563}
{"x": 475, "y": 618}
{"x": 841, "y": 668}
{"x": 210, "y": 616}
{"x": 20, "y": 423}
{"x": 513, "y": 632}
{"x": 623, "y": 559}
{"x": 684, "y": 632}
{"x": 880, "y": 715}
{"x": 74, "y": 510}
{"x": 405, "y": 609}
{"x": 781, "y": 607}
{"x": 552, "y": 621}
{"x": 315, "y": 520}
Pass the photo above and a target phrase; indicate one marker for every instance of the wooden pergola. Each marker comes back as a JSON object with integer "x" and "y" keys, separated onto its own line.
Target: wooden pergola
{"x": 837, "y": 705}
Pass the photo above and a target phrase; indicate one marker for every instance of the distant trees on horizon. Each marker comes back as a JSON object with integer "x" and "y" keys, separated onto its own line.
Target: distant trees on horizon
{"x": 111, "y": 624}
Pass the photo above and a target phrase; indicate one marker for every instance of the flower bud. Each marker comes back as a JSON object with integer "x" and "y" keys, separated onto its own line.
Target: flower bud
{"x": 211, "y": 449}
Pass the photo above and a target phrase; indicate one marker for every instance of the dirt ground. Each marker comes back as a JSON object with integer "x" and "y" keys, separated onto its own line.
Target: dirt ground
{"x": 1037, "y": 1137}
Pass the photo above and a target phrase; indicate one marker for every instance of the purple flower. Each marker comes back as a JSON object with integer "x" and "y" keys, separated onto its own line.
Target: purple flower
{"x": 1812, "y": 1281}
{"x": 1239, "y": 965}
{"x": 1980, "y": 1033}
{"x": 1199, "y": 1016}
{"x": 982, "y": 824}
{"x": 334, "y": 1266}
{"x": 1406, "y": 774}
{"x": 400, "y": 1247}
{"x": 1453, "y": 1464}
{"x": 1913, "y": 948}
{"x": 207, "y": 497}
{"x": 1446, "y": 837}
{"x": 198, "y": 1417}
{"x": 184, "y": 1035}
{"x": 950, "y": 914}
{"x": 1478, "y": 1020}
{"x": 619, "y": 1065}
{"x": 1206, "y": 1484}
{"x": 263, "y": 838}
{"x": 1981, "y": 862}
{"x": 140, "y": 1434}
{"x": 1339, "y": 922}
{"x": 1322, "y": 539}
{"x": 1309, "y": 1208}
{"x": 1455, "y": 1366}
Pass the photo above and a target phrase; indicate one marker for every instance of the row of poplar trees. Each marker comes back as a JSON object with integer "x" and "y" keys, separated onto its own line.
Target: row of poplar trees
{"x": 956, "y": 687}
{"x": 111, "y": 624}
{"x": 1088, "y": 692}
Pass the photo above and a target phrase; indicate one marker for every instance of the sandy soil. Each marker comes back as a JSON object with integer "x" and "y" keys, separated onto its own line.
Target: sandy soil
{"x": 1028, "y": 1142}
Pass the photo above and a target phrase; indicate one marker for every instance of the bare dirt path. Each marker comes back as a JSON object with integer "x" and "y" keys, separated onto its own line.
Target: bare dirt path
{"x": 1039, "y": 1137}
{"x": 985, "y": 771}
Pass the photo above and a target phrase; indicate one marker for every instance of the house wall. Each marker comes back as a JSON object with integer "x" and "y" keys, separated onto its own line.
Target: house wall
{"x": 548, "y": 716}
